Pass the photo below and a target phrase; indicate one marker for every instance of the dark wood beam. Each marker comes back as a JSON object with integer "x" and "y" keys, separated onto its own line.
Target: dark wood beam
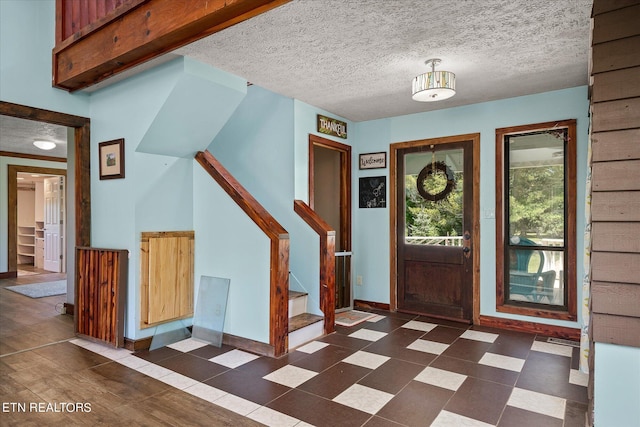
{"x": 147, "y": 31}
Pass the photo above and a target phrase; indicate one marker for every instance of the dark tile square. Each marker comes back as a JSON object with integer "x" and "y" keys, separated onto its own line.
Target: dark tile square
{"x": 318, "y": 410}
{"x": 376, "y": 421}
{"x": 479, "y": 399}
{"x": 392, "y": 376}
{"x": 154, "y": 356}
{"x": 342, "y": 340}
{"x": 387, "y": 324}
{"x": 247, "y": 386}
{"x": 575, "y": 414}
{"x": 265, "y": 365}
{"x": 467, "y": 349}
{"x": 323, "y": 358}
{"x": 512, "y": 344}
{"x": 211, "y": 351}
{"x": 334, "y": 380}
{"x": 418, "y": 404}
{"x": 395, "y": 345}
{"x": 193, "y": 366}
{"x": 516, "y": 417}
{"x": 472, "y": 369}
{"x": 443, "y": 334}
{"x": 549, "y": 374}
{"x": 443, "y": 322}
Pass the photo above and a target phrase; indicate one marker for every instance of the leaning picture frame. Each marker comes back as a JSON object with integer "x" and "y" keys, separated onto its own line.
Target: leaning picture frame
{"x": 111, "y": 159}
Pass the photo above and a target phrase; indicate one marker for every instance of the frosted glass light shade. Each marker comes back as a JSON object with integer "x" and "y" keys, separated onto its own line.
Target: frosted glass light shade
{"x": 433, "y": 86}
{"x": 44, "y": 145}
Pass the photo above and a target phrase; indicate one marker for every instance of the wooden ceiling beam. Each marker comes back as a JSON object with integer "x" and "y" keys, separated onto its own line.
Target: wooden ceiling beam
{"x": 151, "y": 29}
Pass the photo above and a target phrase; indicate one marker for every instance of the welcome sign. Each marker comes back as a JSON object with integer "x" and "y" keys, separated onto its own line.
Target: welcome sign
{"x": 333, "y": 127}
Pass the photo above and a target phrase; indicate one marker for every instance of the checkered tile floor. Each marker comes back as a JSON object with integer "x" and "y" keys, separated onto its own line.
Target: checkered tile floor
{"x": 394, "y": 370}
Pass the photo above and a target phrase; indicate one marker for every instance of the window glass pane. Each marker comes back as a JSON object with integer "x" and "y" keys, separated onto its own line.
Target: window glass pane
{"x": 433, "y": 198}
{"x": 536, "y": 187}
{"x": 536, "y": 276}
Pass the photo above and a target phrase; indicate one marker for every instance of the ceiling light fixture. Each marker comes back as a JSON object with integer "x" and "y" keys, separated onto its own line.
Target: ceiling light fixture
{"x": 433, "y": 85}
{"x": 44, "y": 145}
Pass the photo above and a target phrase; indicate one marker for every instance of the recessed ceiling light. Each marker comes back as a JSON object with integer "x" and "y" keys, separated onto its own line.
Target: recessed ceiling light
{"x": 44, "y": 145}
{"x": 35, "y": 176}
{"x": 19, "y": 178}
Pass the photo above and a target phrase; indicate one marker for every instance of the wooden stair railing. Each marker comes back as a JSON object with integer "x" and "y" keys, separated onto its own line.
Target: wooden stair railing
{"x": 279, "y": 293}
{"x": 327, "y": 262}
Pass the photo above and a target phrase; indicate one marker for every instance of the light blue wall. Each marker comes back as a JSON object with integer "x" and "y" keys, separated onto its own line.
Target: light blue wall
{"x": 27, "y": 31}
{"x": 371, "y": 243}
{"x": 617, "y": 385}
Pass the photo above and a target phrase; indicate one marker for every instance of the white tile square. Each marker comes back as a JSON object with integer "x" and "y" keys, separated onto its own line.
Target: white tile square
{"x": 154, "y": 371}
{"x": 205, "y": 392}
{"x": 290, "y": 376}
{"x": 502, "y": 362}
{"x": 426, "y": 346}
{"x": 178, "y": 381}
{"x": 368, "y": 334}
{"x": 376, "y": 318}
{"x": 269, "y": 417}
{"x": 547, "y": 347}
{"x": 237, "y": 404}
{"x": 363, "y": 398}
{"x": 234, "y": 358}
{"x": 187, "y": 345}
{"x": 419, "y": 326}
{"x": 133, "y": 362}
{"x": 449, "y": 419}
{"x": 441, "y": 378}
{"x": 538, "y": 402}
{"x": 115, "y": 353}
{"x": 312, "y": 347}
{"x": 366, "y": 360}
{"x": 578, "y": 378}
{"x": 479, "y": 336}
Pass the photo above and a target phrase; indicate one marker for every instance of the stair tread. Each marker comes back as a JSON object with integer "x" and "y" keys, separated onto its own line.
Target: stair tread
{"x": 296, "y": 294}
{"x": 302, "y": 320}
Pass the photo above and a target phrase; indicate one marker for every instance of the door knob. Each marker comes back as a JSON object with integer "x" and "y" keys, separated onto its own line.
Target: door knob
{"x": 466, "y": 249}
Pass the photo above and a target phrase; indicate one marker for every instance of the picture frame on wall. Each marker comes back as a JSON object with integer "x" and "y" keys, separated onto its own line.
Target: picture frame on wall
{"x": 111, "y": 155}
{"x": 373, "y": 160}
{"x": 373, "y": 192}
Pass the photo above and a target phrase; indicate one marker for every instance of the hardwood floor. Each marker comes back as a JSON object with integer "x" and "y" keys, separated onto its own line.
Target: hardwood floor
{"x": 46, "y": 380}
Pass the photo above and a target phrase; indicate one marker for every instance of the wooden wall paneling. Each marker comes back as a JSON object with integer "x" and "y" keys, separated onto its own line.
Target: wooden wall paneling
{"x": 615, "y": 267}
{"x": 615, "y": 55}
{"x": 616, "y": 237}
{"x": 618, "y": 84}
{"x": 600, "y": 7}
{"x": 101, "y": 278}
{"x": 615, "y": 298}
{"x": 616, "y": 24}
{"x": 621, "y": 330}
{"x": 616, "y": 145}
{"x": 616, "y": 115}
{"x": 615, "y": 206}
{"x": 616, "y": 176}
{"x": 167, "y": 262}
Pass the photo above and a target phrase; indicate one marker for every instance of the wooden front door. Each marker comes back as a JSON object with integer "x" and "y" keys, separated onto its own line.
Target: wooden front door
{"x": 435, "y": 228}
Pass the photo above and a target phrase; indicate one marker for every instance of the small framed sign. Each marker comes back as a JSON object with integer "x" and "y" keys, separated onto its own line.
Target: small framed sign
{"x": 111, "y": 155}
{"x": 373, "y": 160}
{"x": 333, "y": 127}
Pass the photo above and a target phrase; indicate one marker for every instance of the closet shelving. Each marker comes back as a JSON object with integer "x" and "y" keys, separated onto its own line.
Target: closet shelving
{"x": 26, "y": 244}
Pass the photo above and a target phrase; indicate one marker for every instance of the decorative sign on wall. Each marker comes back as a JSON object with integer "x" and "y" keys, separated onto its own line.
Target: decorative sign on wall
{"x": 373, "y": 160}
{"x": 333, "y": 127}
{"x": 373, "y": 192}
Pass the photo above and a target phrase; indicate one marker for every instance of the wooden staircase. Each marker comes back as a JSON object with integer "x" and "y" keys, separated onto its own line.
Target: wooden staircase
{"x": 303, "y": 326}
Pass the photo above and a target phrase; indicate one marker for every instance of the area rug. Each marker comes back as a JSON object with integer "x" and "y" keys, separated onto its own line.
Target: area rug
{"x": 352, "y": 318}
{"x": 41, "y": 290}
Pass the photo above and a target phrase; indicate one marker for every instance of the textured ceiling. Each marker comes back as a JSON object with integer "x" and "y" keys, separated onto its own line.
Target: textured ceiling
{"x": 17, "y": 135}
{"x": 356, "y": 58}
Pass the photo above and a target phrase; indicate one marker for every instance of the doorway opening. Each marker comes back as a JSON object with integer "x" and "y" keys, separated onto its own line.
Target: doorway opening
{"x": 330, "y": 197}
{"x": 41, "y": 221}
{"x": 435, "y": 227}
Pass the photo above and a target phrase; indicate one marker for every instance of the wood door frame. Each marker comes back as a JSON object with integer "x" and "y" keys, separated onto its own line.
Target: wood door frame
{"x": 345, "y": 184}
{"x": 82, "y": 174}
{"x": 475, "y": 222}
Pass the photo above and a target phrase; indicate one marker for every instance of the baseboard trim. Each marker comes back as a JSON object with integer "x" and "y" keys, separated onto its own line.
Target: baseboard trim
{"x": 9, "y": 275}
{"x": 231, "y": 340}
{"x": 370, "y": 304}
{"x": 531, "y": 327}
